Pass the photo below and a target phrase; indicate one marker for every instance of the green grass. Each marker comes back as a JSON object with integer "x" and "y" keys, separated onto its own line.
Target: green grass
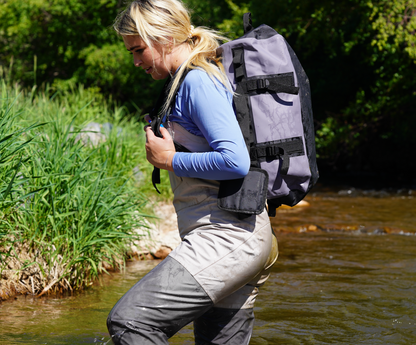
{"x": 73, "y": 203}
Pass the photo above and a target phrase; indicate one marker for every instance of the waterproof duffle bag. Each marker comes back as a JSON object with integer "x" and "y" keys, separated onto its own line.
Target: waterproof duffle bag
{"x": 274, "y": 110}
{"x": 273, "y": 107}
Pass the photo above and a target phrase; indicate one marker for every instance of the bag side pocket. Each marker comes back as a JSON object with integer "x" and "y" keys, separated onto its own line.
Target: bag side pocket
{"x": 246, "y": 195}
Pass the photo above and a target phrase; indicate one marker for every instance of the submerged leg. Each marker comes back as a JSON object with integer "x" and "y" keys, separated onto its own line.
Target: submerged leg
{"x": 158, "y": 306}
{"x": 221, "y": 326}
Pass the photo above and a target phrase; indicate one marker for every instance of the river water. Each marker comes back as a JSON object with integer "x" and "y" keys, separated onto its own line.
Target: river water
{"x": 346, "y": 275}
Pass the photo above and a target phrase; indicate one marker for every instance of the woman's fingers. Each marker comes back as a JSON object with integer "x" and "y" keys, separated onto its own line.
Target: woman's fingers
{"x": 149, "y": 132}
{"x": 159, "y": 151}
{"x": 165, "y": 133}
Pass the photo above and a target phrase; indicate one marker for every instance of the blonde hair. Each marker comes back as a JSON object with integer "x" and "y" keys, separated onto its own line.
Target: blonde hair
{"x": 161, "y": 21}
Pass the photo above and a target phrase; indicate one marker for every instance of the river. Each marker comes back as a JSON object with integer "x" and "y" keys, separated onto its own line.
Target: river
{"x": 346, "y": 275}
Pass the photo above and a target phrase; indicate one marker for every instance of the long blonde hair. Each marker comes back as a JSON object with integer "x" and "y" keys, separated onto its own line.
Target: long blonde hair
{"x": 161, "y": 21}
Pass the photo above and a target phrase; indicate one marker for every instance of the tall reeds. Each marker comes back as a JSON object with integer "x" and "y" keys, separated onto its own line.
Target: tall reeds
{"x": 68, "y": 205}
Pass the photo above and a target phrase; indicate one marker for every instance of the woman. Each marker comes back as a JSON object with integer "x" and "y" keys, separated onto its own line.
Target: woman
{"x": 212, "y": 277}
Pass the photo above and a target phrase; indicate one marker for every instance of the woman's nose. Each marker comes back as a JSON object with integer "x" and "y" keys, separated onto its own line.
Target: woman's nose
{"x": 137, "y": 61}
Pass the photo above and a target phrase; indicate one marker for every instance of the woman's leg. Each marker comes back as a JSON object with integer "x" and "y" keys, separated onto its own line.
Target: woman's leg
{"x": 231, "y": 320}
{"x": 219, "y": 326}
{"x": 159, "y": 305}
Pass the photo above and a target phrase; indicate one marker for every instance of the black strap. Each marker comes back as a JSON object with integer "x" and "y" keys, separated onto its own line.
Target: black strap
{"x": 284, "y": 82}
{"x": 156, "y": 115}
{"x": 238, "y": 64}
{"x": 157, "y": 119}
{"x": 282, "y": 149}
{"x": 156, "y": 178}
{"x": 271, "y": 153}
{"x": 272, "y": 205}
{"x": 248, "y": 24}
{"x": 241, "y": 99}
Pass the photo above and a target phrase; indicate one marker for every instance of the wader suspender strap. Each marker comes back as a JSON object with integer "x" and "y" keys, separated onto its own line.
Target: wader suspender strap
{"x": 157, "y": 119}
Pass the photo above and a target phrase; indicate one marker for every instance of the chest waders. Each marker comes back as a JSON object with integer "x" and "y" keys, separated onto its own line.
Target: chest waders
{"x": 211, "y": 278}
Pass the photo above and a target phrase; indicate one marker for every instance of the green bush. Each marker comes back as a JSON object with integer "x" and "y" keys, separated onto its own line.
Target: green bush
{"x": 71, "y": 41}
{"x": 360, "y": 58}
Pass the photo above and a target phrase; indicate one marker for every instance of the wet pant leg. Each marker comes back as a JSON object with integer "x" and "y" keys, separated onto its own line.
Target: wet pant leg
{"x": 158, "y": 306}
{"x": 220, "y": 326}
{"x": 231, "y": 320}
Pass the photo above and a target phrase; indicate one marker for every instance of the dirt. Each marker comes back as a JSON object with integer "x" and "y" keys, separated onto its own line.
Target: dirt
{"x": 23, "y": 272}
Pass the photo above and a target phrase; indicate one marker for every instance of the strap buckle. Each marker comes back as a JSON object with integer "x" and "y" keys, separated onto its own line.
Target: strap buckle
{"x": 262, "y": 83}
{"x": 273, "y": 151}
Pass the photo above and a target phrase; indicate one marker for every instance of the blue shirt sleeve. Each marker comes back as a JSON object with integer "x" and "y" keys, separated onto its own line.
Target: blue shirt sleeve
{"x": 205, "y": 108}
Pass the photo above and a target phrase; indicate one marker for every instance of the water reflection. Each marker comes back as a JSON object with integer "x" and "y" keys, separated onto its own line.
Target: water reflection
{"x": 342, "y": 287}
{"x": 76, "y": 319}
{"x": 362, "y": 211}
{"x": 325, "y": 288}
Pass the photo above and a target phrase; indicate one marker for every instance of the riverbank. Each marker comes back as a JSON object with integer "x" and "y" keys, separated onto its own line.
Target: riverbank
{"x": 23, "y": 272}
{"x": 72, "y": 194}
{"x": 343, "y": 211}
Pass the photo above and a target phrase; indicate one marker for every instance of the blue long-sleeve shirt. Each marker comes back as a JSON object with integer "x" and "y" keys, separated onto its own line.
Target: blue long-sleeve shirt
{"x": 204, "y": 108}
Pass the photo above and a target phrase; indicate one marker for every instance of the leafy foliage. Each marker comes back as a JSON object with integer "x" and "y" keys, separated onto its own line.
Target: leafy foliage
{"x": 360, "y": 58}
{"x": 359, "y": 55}
{"x": 70, "y": 41}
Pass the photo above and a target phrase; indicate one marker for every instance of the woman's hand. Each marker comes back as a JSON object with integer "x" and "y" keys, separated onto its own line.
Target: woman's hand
{"x": 159, "y": 151}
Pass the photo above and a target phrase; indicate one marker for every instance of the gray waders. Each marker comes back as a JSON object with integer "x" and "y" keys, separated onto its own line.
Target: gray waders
{"x": 211, "y": 278}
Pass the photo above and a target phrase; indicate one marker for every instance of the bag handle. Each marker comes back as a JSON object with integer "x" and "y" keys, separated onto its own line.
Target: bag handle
{"x": 248, "y": 25}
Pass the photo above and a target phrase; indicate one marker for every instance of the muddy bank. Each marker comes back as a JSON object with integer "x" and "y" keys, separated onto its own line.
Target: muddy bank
{"x": 24, "y": 272}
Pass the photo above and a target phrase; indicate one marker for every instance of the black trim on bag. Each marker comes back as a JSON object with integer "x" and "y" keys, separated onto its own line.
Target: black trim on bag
{"x": 263, "y": 32}
{"x": 278, "y": 149}
{"x": 274, "y": 83}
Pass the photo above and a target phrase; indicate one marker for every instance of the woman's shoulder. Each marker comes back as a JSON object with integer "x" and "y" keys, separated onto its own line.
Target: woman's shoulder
{"x": 196, "y": 77}
{"x": 199, "y": 79}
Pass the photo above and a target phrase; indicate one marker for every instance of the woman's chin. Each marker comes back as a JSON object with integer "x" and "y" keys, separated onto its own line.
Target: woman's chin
{"x": 158, "y": 76}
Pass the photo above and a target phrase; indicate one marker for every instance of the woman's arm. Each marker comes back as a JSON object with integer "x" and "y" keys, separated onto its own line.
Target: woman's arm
{"x": 208, "y": 109}
{"x": 205, "y": 109}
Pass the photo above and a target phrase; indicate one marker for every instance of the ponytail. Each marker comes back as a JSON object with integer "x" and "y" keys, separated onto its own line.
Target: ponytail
{"x": 204, "y": 43}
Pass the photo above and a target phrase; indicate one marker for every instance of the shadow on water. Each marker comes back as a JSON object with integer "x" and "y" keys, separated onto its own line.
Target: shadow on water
{"x": 328, "y": 287}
